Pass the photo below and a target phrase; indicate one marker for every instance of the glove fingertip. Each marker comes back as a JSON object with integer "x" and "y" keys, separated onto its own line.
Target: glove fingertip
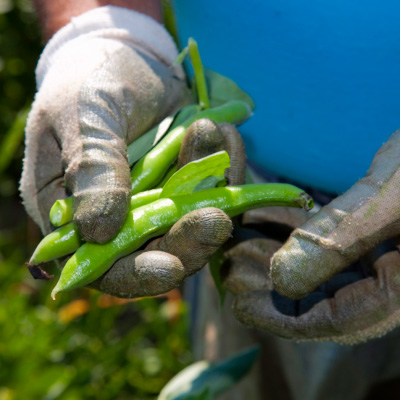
{"x": 141, "y": 274}
{"x": 100, "y": 215}
{"x": 158, "y": 271}
{"x": 196, "y": 237}
{"x": 214, "y": 227}
{"x": 301, "y": 265}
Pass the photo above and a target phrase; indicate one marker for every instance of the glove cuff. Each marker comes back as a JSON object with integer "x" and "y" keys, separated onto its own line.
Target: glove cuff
{"x": 116, "y": 23}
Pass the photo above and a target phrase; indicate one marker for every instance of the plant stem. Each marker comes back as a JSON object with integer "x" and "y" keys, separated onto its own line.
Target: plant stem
{"x": 199, "y": 74}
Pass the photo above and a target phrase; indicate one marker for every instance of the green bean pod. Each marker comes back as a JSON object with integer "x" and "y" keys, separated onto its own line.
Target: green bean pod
{"x": 146, "y": 197}
{"x": 59, "y": 243}
{"x": 150, "y": 169}
{"x": 62, "y": 211}
{"x": 154, "y": 219}
{"x": 168, "y": 175}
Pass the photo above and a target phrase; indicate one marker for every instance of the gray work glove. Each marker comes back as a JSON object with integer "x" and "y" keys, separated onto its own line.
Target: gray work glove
{"x": 103, "y": 80}
{"x": 345, "y": 288}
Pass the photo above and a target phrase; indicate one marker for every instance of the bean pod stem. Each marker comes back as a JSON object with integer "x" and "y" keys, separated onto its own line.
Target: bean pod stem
{"x": 199, "y": 77}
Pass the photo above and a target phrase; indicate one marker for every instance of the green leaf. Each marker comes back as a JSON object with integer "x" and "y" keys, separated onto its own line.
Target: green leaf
{"x": 138, "y": 148}
{"x": 203, "y": 380}
{"x": 215, "y": 263}
{"x": 197, "y": 175}
{"x": 222, "y": 89}
{"x": 184, "y": 114}
{"x": 12, "y": 139}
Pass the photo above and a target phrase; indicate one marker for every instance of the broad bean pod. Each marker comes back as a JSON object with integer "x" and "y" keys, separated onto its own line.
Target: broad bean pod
{"x": 59, "y": 243}
{"x": 149, "y": 170}
{"x": 92, "y": 260}
{"x": 62, "y": 211}
{"x": 66, "y": 240}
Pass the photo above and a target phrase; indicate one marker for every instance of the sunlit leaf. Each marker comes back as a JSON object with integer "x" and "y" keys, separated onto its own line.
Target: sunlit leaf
{"x": 222, "y": 89}
{"x": 197, "y": 175}
{"x": 203, "y": 380}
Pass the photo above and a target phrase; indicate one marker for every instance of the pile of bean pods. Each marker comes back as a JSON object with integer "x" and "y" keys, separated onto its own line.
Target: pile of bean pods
{"x": 151, "y": 214}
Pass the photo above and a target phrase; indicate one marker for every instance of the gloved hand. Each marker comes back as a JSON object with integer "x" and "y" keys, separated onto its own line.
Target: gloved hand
{"x": 103, "y": 80}
{"x": 339, "y": 301}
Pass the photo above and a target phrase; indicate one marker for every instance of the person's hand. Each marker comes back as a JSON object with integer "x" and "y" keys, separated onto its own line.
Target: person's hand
{"x": 104, "y": 80}
{"x": 188, "y": 246}
{"x": 344, "y": 287}
{"x": 167, "y": 261}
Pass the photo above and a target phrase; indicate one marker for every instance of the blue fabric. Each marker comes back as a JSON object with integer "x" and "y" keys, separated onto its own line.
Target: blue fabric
{"x": 324, "y": 77}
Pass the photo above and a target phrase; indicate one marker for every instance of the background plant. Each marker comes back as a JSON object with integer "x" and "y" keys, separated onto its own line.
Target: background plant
{"x": 84, "y": 345}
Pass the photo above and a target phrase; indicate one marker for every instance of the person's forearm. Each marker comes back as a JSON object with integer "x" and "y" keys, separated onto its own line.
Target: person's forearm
{"x": 54, "y": 14}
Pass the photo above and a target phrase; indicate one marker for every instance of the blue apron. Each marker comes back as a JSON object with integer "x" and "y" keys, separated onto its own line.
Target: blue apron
{"x": 324, "y": 77}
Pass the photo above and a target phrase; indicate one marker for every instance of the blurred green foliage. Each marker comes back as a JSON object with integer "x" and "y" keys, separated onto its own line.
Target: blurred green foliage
{"x": 20, "y": 47}
{"x": 84, "y": 345}
{"x": 124, "y": 351}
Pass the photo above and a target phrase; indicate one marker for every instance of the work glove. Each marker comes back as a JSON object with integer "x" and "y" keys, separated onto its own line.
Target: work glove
{"x": 340, "y": 268}
{"x": 103, "y": 80}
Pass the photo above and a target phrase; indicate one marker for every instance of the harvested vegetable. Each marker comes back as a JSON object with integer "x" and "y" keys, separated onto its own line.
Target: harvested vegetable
{"x": 154, "y": 219}
{"x": 151, "y": 168}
